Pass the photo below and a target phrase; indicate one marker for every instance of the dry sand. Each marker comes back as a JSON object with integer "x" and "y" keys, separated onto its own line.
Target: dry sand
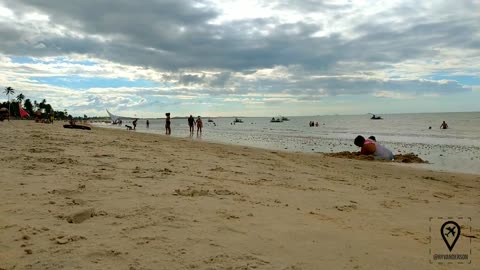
{"x": 144, "y": 201}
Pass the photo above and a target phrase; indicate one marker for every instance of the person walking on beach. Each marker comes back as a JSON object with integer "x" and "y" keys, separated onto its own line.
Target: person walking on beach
{"x": 371, "y": 147}
{"x": 134, "y": 124}
{"x": 168, "y": 130}
{"x": 199, "y": 125}
{"x": 191, "y": 122}
{"x": 148, "y": 124}
{"x": 444, "y": 125}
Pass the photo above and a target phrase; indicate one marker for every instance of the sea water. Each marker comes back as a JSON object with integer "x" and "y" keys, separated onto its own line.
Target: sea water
{"x": 454, "y": 149}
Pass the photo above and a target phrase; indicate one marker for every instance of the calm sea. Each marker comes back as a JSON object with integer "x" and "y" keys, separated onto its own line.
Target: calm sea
{"x": 453, "y": 149}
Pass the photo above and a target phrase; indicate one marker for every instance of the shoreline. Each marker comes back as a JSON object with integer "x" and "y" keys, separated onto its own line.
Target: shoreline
{"x": 422, "y": 166}
{"x": 110, "y": 199}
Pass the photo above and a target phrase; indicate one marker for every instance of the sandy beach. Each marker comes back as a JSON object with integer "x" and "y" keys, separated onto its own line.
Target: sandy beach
{"x": 113, "y": 199}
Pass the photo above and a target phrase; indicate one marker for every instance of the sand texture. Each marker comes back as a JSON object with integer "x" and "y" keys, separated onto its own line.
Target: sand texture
{"x": 111, "y": 199}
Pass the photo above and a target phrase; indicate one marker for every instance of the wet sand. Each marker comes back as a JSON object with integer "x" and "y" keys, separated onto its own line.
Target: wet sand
{"x": 111, "y": 199}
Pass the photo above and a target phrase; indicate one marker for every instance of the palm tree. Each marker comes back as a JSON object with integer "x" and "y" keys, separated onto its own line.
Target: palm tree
{"x": 9, "y": 91}
{"x": 20, "y": 98}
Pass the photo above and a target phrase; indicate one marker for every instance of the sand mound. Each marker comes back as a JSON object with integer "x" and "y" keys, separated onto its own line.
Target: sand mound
{"x": 404, "y": 158}
{"x": 409, "y": 158}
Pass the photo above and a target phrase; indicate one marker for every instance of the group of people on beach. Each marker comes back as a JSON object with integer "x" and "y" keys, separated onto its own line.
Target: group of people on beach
{"x": 191, "y": 124}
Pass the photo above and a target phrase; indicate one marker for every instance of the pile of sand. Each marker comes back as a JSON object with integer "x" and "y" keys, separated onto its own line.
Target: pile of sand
{"x": 404, "y": 158}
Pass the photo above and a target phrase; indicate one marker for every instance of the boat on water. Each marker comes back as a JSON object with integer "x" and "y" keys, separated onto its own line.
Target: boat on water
{"x": 238, "y": 120}
{"x": 376, "y": 117}
{"x": 276, "y": 120}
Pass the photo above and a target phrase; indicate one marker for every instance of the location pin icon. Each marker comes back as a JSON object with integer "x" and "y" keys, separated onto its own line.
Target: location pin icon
{"x": 450, "y": 233}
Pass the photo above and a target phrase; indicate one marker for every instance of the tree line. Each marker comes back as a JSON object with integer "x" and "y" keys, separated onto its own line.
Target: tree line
{"x": 34, "y": 108}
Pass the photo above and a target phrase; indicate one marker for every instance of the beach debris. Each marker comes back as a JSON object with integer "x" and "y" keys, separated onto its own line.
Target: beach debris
{"x": 28, "y": 251}
{"x": 81, "y": 216}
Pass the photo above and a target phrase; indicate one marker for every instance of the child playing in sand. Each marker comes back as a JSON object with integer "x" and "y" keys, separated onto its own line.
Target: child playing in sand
{"x": 371, "y": 147}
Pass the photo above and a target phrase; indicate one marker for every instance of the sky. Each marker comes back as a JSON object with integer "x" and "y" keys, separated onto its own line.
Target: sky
{"x": 243, "y": 58}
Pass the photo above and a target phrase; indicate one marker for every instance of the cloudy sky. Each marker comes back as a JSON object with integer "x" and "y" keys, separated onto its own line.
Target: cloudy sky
{"x": 245, "y": 57}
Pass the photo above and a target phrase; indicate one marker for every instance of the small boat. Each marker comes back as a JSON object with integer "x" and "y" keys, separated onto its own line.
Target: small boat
{"x": 77, "y": 127}
{"x": 376, "y": 117}
{"x": 278, "y": 120}
{"x": 238, "y": 120}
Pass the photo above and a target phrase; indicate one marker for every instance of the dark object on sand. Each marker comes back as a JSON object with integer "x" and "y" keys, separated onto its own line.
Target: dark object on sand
{"x": 129, "y": 127}
{"x": 3, "y": 114}
{"x": 77, "y": 127}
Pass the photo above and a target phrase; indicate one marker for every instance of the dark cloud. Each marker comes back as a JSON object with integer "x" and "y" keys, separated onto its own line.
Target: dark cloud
{"x": 177, "y": 34}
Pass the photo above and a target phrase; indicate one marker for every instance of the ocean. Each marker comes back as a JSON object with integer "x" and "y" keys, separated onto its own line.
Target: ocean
{"x": 455, "y": 149}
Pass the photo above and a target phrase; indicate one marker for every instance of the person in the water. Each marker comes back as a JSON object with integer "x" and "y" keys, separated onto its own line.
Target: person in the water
{"x": 199, "y": 125}
{"x": 444, "y": 125}
{"x": 191, "y": 122}
{"x": 168, "y": 129}
{"x": 371, "y": 147}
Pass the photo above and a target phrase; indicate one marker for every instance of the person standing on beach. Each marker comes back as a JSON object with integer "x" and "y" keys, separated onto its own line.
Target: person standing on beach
{"x": 444, "y": 125}
{"x": 148, "y": 124}
{"x": 168, "y": 130}
{"x": 371, "y": 147}
{"x": 134, "y": 124}
{"x": 191, "y": 122}
{"x": 199, "y": 125}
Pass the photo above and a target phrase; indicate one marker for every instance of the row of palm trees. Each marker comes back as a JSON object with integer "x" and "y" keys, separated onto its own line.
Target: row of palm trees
{"x": 29, "y": 107}
{"x": 10, "y": 91}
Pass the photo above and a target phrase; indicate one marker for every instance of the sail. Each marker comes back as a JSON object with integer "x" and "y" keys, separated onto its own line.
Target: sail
{"x": 115, "y": 118}
{"x": 23, "y": 113}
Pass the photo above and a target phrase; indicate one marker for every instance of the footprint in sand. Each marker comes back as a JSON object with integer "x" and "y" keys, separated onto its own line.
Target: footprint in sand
{"x": 190, "y": 192}
{"x": 225, "y": 192}
{"x": 391, "y": 204}
{"x": 442, "y": 195}
{"x": 346, "y": 208}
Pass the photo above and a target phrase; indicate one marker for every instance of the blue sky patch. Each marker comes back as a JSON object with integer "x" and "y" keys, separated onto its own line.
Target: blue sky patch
{"x": 57, "y": 60}
{"x": 462, "y": 79}
{"x": 79, "y": 83}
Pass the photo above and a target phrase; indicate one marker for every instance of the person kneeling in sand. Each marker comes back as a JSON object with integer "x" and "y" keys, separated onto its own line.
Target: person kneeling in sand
{"x": 371, "y": 147}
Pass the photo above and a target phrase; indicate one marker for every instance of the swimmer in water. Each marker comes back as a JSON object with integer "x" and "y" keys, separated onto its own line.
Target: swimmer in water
{"x": 444, "y": 125}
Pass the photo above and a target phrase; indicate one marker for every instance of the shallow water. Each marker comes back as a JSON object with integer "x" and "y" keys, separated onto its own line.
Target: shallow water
{"x": 454, "y": 149}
